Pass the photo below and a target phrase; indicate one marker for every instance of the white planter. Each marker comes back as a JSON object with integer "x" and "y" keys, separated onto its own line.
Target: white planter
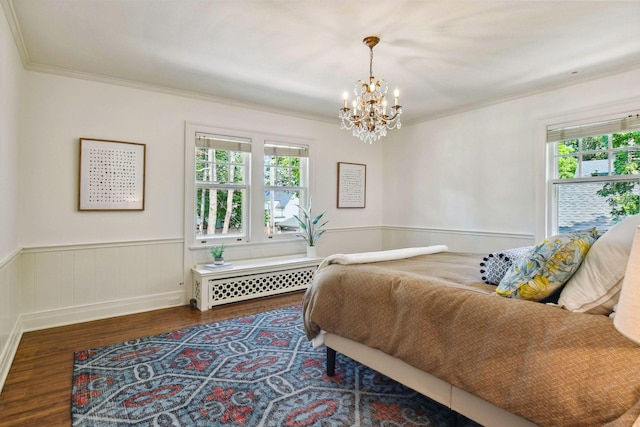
{"x": 311, "y": 252}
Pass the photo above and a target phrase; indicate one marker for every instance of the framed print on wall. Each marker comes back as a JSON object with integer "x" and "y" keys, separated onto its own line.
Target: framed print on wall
{"x": 352, "y": 185}
{"x": 112, "y": 175}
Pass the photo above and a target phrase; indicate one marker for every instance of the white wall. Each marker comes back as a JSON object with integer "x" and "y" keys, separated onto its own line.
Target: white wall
{"x": 81, "y": 265}
{"x": 423, "y": 198}
{"x": 59, "y": 265}
{"x": 11, "y": 75}
{"x": 10, "y": 84}
{"x": 479, "y": 173}
{"x": 59, "y": 110}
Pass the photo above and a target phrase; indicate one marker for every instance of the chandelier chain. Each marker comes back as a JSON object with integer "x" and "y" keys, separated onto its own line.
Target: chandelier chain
{"x": 370, "y": 62}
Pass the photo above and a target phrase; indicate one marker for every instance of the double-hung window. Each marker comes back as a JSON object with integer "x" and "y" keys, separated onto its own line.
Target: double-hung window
{"x": 285, "y": 184}
{"x": 221, "y": 186}
{"x": 593, "y": 174}
{"x": 243, "y": 186}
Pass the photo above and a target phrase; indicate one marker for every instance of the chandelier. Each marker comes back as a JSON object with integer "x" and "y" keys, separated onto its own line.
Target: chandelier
{"x": 368, "y": 118}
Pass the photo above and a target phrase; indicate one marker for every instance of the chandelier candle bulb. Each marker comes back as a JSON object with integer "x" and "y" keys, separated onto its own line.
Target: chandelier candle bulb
{"x": 396, "y": 94}
{"x": 345, "y": 96}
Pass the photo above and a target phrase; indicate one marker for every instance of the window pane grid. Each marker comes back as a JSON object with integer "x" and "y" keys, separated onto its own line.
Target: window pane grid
{"x": 220, "y": 166}
{"x": 226, "y": 186}
{"x": 282, "y": 171}
{"x": 595, "y": 181}
{"x": 283, "y": 191}
{"x": 280, "y": 207}
{"x": 223, "y": 177}
{"x": 571, "y": 157}
{"x": 227, "y": 212}
{"x": 220, "y": 176}
{"x": 208, "y": 164}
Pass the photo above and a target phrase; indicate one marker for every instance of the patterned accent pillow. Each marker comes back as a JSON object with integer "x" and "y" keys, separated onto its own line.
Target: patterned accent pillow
{"x": 495, "y": 265}
{"x": 547, "y": 267}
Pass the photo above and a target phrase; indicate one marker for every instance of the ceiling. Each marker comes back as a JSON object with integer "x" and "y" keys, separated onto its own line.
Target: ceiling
{"x": 300, "y": 56}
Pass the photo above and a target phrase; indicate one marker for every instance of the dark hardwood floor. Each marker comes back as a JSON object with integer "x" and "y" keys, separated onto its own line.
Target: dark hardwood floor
{"x": 37, "y": 391}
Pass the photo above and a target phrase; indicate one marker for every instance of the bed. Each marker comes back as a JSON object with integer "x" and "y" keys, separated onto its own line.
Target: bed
{"x": 429, "y": 322}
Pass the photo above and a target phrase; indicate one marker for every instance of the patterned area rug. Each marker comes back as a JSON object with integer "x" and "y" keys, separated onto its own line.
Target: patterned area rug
{"x": 257, "y": 370}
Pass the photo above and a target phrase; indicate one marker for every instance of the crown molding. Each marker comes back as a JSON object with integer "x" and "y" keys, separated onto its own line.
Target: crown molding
{"x": 170, "y": 91}
{"x": 10, "y": 13}
{"x": 523, "y": 94}
{"x": 7, "y": 6}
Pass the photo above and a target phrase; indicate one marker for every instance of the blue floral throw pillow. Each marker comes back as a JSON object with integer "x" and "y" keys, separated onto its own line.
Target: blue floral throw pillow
{"x": 547, "y": 267}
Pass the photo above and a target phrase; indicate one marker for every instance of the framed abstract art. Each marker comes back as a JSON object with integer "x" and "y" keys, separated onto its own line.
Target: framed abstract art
{"x": 112, "y": 175}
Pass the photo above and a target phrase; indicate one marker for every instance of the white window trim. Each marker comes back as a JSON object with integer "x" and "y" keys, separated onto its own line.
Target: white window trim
{"x": 255, "y": 182}
{"x": 544, "y": 161}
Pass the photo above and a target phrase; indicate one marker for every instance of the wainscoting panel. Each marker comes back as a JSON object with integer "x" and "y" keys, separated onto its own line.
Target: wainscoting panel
{"x": 106, "y": 277}
{"x": 132, "y": 280}
{"x": 47, "y": 273}
{"x": 10, "y": 332}
{"x": 80, "y": 279}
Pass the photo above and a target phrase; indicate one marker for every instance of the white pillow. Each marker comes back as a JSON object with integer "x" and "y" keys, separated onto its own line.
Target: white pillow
{"x": 595, "y": 286}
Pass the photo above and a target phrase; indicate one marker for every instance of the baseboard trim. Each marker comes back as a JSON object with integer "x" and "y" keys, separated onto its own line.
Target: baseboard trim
{"x": 9, "y": 351}
{"x": 87, "y": 313}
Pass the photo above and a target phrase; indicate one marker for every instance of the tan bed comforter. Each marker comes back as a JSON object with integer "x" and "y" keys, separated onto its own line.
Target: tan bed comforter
{"x": 548, "y": 365}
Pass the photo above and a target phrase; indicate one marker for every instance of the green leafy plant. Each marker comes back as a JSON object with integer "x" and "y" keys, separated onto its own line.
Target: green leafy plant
{"x": 567, "y": 165}
{"x": 217, "y": 251}
{"x": 310, "y": 227}
{"x": 622, "y": 197}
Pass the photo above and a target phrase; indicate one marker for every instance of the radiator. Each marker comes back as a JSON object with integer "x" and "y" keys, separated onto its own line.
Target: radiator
{"x": 258, "y": 285}
{"x": 254, "y": 281}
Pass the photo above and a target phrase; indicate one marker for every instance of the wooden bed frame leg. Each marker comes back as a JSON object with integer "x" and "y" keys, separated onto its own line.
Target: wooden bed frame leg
{"x": 331, "y": 362}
